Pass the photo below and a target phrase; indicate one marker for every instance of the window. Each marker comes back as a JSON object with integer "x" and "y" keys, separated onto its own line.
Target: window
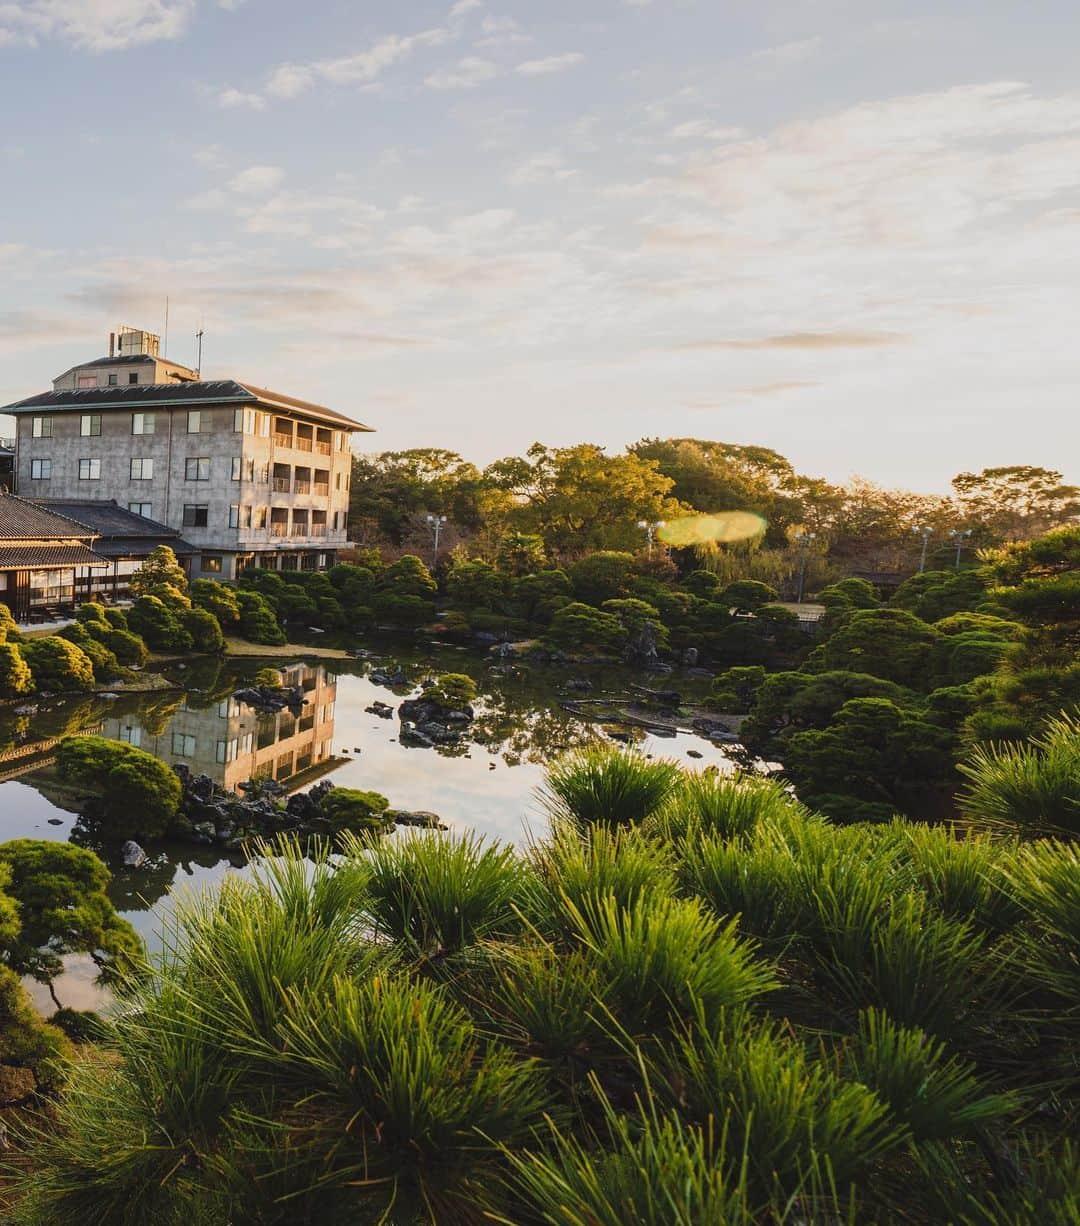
{"x": 133, "y": 378}
{"x": 245, "y": 421}
{"x": 195, "y": 515}
{"x": 237, "y": 466}
{"x": 234, "y": 515}
{"x": 263, "y": 425}
{"x": 197, "y": 469}
{"x": 90, "y": 425}
{"x": 142, "y": 423}
{"x": 85, "y": 381}
{"x": 132, "y": 734}
{"x": 260, "y": 517}
{"x": 142, "y": 470}
{"x": 245, "y": 517}
{"x": 238, "y": 420}
{"x": 40, "y": 470}
{"x": 337, "y": 482}
{"x": 89, "y": 470}
{"x": 194, "y": 421}
{"x": 264, "y": 474}
{"x": 183, "y": 745}
{"x": 212, "y": 562}
{"x": 226, "y": 751}
{"x": 145, "y": 509}
{"x": 114, "y": 380}
{"x": 42, "y": 427}
{"x": 249, "y": 470}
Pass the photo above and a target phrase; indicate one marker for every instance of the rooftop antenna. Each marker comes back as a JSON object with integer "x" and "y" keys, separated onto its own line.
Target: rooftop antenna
{"x": 165, "y": 337}
{"x": 198, "y": 359}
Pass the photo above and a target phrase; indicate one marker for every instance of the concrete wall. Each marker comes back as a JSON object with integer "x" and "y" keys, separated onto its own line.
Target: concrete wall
{"x": 171, "y": 488}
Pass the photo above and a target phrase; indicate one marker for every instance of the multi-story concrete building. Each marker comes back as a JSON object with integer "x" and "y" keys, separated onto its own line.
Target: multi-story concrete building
{"x": 248, "y": 476}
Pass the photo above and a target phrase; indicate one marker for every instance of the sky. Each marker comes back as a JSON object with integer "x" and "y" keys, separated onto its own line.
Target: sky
{"x": 845, "y": 229}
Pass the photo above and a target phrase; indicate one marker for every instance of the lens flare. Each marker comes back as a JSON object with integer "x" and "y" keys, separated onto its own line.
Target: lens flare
{"x": 725, "y": 528}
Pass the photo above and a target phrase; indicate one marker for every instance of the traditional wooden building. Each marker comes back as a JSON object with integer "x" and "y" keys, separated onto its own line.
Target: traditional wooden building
{"x": 41, "y": 554}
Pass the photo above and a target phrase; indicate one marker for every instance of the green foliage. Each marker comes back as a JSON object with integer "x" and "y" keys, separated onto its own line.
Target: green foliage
{"x": 134, "y": 792}
{"x": 159, "y": 624}
{"x": 160, "y": 575}
{"x": 520, "y": 554}
{"x": 875, "y": 752}
{"x": 735, "y": 689}
{"x": 128, "y": 648}
{"x": 601, "y": 576}
{"x": 63, "y": 908}
{"x": 888, "y": 643}
{"x": 849, "y": 594}
{"x": 104, "y": 662}
{"x": 57, "y": 664}
{"x": 408, "y": 576}
{"x": 217, "y": 598}
{"x": 453, "y": 690}
{"x": 25, "y": 1040}
{"x": 15, "y": 676}
{"x": 607, "y": 786}
{"x": 258, "y": 622}
{"x": 578, "y": 625}
{"x": 475, "y": 585}
{"x": 9, "y": 630}
{"x": 745, "y": 595}
{"x": 351, "y": 809}
{"x": 937, "y": 594}
{"x": 203, "y": 629}
{"x": 1031, "y": 789}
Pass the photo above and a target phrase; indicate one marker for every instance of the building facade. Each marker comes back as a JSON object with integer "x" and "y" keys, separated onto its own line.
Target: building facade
{"x": 232, "y": 743}
{"x": 246, "y": 475}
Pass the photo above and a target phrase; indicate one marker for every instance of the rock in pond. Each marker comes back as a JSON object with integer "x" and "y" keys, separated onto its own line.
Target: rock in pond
{"x": 133, "y": 855}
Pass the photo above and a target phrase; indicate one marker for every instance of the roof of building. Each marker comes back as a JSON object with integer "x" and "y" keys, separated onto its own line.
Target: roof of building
{"x": 120, "y": 532}
{"x": 50, "y": 556}
{"x": 23, "y": 520}
{"x": 151, "y": 395}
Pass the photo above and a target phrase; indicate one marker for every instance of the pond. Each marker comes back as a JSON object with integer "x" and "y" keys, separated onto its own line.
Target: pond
{"x": 487, "y": 784}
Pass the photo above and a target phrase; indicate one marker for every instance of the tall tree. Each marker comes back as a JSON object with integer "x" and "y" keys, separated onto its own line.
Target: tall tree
{"x": 1016, "y": 502}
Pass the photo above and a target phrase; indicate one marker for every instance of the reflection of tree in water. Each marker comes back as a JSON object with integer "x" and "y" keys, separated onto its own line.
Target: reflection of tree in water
{"x": 520, "y": 718}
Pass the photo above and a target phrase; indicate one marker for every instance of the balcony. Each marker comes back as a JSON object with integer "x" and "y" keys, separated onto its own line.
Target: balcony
{"x": 322, "y": 489}
{"x": 302, "y": 444}
{"x": 323, "y": 449}
{"x": 299, "y": 530}
{"x": 302, "y": 487}
{"x": 281, "y": 485}
{"x": 283, "y": 440}
{"x": 318, "y": 529}
{"x": 279, "y": 530}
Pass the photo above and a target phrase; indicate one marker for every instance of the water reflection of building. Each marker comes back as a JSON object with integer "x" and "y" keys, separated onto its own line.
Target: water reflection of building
{"x": 232, "y": 743}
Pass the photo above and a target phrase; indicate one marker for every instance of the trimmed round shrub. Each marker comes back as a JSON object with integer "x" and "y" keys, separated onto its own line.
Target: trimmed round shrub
{"x": 9, "y": 631}
{"x": 258, "y": 621}
{"x": 136, "y": 792}
{"x": 57, "y": 664}
{"x": 204, "y": 629}
{"x": 15, "y": 676}
{"x": 352, "y": 809}
{"x": 117, "y": 618}
{"x": 158, "y": 624}
{"x": 106, "y": 665}
{"x": 128, "y": 648}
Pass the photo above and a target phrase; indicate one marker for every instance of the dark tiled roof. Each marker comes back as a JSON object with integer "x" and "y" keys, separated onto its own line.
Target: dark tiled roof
{"x": 106, "y": 517}
{"x": 48, "y": 557}
{"x": 123, "y": 534}
{"x": 219, "y": 391}
{"x": 22, "y": 520}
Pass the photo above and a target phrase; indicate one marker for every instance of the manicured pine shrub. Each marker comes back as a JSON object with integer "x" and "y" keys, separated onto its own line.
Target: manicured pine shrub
{"x": 608, "y": 786}
{"x": 203, "y": 629}
{"x": 128, "y": 648}
{"x": 9, "y": 630}
{"x": 135, "y": 792}
{"x": 258, "y": 621}
{"x": 351, "y": 809}
{"x": 15, "y": 676}
{"x": 57, "y": 664}
{"x": 158, "y": 624}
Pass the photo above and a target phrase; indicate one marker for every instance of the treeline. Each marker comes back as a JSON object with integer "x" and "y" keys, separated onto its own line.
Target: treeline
{"x": 578, "y": 500}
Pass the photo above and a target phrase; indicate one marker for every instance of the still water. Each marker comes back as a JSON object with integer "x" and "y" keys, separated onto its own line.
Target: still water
{"x": 487, "y": 784}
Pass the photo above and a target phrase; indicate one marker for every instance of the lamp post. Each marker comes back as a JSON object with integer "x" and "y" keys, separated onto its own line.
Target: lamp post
{"x": 804, "y": 540}
{"x": 959, "y": 537}
{"x": 436, "y": 524}
{"x": 650, "y": 531}
{"x": 926, "y": 533}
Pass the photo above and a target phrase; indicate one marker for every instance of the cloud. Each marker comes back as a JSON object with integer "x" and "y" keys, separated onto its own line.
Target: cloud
{"x": 97, "y": 25}
{"x": 540, "y": 168}
{"x": 553, "y": 63}
{"x": 798, "y": 340}
{"x": 786, "y": 54}
{"x": 235, "y": 99}
{"x": 256, "y": 179}
{"x": 501, "y": 32}
{"x": 466, "y": 74}
{"x": 705, "y": 129}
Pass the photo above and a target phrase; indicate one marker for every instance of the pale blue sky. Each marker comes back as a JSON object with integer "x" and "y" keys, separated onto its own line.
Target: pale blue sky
{"x": 846, "y": 229}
